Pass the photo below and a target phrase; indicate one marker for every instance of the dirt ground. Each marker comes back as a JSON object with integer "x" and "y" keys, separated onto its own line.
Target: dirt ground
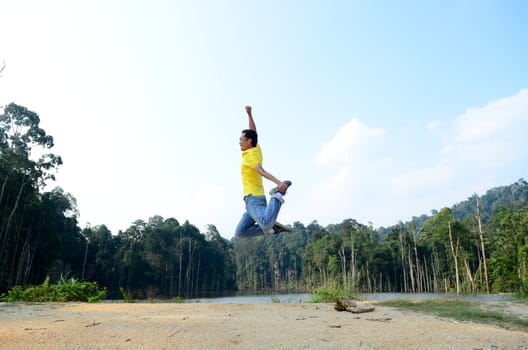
{"x": 239, "y": 326}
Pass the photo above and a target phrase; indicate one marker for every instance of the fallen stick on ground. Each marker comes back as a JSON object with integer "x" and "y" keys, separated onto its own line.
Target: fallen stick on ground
{"x": 350, "y": 306}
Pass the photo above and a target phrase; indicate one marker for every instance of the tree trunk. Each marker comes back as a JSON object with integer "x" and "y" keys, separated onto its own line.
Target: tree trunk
{"x": 419, "y": 273}
{"x": 23, "y": 260}
{"x": 353, "y": 276}
{"x": 434, "y": 260}
{"x": 180, "y": 260}
{"x": 427, "y": 281}
{"x": 188, "y": 271}
{"x": 197, "y": 276}
{"x": 276, "y": 276}
{"x": 342, "y": 256}
{"x": 482, "y": 247}
{"x": 369, "y": 284}
{"x": 84, "y": 261}
{"x": 455, "y": 257}
{"x": 411, "y": 273}
{"x": 404, "y": 271}
{"x": 1, "y": 199}
{"x": 468, "y": 273}
{"x": 3, "y": 189}
{"x": 5, "y": 234}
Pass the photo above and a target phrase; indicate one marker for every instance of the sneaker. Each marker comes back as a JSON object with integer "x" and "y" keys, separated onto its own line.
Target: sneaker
{"x": 278, "y": 228}
{"x": 277, "y": 195}
{"x": 276, "y": 188}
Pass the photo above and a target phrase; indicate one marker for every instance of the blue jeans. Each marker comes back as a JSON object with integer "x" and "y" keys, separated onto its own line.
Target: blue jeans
{"x": 259, "y": 217}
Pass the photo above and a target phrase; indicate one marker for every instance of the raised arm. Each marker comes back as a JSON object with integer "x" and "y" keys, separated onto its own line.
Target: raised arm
{"x": 252, "y": 125}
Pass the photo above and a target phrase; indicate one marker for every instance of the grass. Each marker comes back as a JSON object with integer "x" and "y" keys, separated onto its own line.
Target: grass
{"x": 460, "y": 311}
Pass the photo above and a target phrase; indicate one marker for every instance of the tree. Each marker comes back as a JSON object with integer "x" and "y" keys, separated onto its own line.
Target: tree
{"x": 439, "y": 234}
{"x": 508, "y": 265}
{"x": 22, "y": 176}
{"x": 20, "y": 135}
{"x": 102, "y": 251}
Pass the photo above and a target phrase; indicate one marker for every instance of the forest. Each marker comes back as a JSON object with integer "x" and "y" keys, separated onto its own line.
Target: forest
{"x": 479, "y": 245}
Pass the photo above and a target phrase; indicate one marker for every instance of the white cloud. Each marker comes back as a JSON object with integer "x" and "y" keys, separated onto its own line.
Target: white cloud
{"x": 334, "y": 186}
{"x": 480, "y": 140}
{"x": 489, "y": 137}
{"x": 373, "y": 180}
{"x": 413, "y": 183}
{"x": 357, "y": 160}
{"x": 435, "y": 125}
{"x": 349, "y": 144}
{"x": 501, "y": 118}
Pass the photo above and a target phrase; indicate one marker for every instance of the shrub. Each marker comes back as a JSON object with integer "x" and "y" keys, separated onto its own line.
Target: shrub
{"x": 64, "y": 290}
{"x": 329, "y": 295}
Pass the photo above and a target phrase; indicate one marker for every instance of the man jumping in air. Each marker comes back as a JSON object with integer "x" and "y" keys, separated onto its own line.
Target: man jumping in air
{"x": 259, "y": 218}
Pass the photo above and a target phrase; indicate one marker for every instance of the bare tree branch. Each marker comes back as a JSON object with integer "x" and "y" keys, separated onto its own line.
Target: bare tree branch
{"x": 1, "y": 69}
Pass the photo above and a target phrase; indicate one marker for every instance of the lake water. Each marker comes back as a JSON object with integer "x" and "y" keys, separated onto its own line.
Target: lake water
{"x": 301, "y": 298}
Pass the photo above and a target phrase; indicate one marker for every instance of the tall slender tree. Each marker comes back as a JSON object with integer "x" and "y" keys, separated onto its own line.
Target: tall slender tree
{"x": 482, "y": 246}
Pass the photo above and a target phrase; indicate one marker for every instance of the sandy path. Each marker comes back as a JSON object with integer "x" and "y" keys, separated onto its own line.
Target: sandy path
{"x": 238, "y": 326}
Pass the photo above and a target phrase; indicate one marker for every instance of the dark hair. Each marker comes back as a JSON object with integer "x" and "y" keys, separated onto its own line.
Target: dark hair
{"x": 251, "y": 134}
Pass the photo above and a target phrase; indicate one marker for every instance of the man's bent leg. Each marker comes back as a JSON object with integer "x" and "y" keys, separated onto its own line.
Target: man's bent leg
{"x": 264, "y": 215}
{"x": 247, "y": 227}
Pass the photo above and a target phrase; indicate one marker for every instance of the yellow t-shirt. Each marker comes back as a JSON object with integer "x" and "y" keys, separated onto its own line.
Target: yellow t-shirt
{"x": 251, "y": 180}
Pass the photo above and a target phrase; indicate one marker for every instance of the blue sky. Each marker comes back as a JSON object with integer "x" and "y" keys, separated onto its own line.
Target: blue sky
{"x": 376, "y": 110}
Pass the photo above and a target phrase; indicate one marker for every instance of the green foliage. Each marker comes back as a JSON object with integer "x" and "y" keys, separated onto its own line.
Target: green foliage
{"x": 178, "y": 299}
{"x": 509, "y": 265}
{"x": 522, "y": 292}
{"x": 126, "y": 299}
{"x": 504, "y": 279}
{"x": 316, "y": 299}
{"x": 330, "y": 295}
{"x": 459, "y": 310}
{"x": 514, "y": 197}
{"x": 64, "y": 290}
